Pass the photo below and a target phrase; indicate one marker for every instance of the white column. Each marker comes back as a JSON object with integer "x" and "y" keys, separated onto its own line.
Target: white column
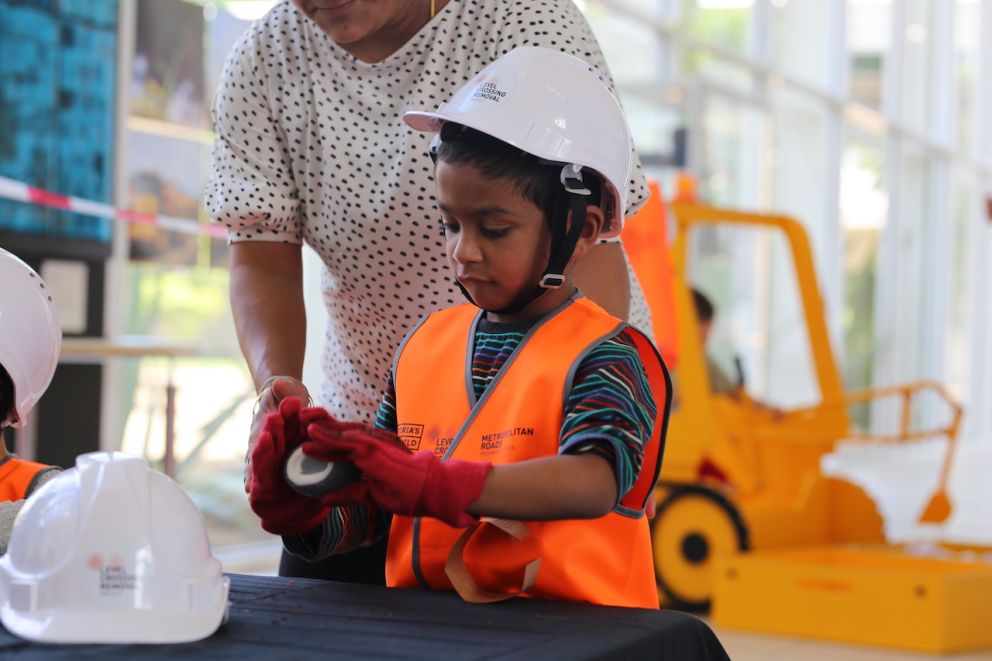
{"x": 111, "y": 415}
{"x": 936, "y": 310}
{"x": 888, "y": 292}
{"x": 983, "y": 85}
{"x": 832, "y": 234}
{"x": 978, "y": 420}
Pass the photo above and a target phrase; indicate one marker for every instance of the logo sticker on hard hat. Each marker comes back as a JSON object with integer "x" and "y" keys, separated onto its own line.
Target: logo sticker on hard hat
{"x": 490, "y": 91}
{"x": 109, "y": 576}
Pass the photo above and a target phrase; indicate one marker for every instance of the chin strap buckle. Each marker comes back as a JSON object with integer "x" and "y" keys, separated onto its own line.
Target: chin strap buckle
{"x": 552, "y": 280}
{"x": 571, "y": 179}
{"x": 434, "y": 148}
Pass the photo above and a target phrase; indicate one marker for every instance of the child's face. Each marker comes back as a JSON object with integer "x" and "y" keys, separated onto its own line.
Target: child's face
{"x": 497, "y": 241}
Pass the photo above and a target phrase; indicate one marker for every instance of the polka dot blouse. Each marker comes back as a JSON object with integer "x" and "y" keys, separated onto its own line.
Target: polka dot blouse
{"x": 311, "y": 147}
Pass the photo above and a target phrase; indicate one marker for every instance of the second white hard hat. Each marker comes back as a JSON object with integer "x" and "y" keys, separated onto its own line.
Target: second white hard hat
{"x": 30, "y": 335}
{"x": 111, "y": 552}
{"x": 551, "y": 105}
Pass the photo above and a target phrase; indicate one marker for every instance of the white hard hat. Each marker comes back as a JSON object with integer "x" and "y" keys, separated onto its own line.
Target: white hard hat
{"x": 111, "y": 552}
{"x": 30, "y": 334}
{"x": 548, "y": 104}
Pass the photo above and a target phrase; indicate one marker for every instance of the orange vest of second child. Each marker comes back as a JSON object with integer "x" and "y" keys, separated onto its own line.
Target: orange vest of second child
{"x": 606, "y": 560}
{"x": 16, "y": 477}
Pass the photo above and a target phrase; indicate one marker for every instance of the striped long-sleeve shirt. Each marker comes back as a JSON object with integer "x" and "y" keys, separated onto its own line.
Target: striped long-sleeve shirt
{"x": 610, "y": 411}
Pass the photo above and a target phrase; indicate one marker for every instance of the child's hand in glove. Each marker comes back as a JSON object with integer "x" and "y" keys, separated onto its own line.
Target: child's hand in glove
{"x": 395, "y": 479}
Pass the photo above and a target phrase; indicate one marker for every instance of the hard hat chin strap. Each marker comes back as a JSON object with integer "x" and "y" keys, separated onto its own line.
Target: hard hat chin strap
{"x": 572, "y": 197}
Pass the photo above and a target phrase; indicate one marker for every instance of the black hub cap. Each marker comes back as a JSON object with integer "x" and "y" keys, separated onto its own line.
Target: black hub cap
{"x": 695, "y": 548}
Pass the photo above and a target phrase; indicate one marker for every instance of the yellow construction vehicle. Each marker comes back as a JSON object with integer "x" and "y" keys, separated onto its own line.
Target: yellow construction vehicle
{"x": 740, "y": 479}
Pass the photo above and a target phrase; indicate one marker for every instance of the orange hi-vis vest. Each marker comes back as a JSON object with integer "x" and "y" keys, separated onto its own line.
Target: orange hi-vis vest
{"x": 18, "y": 477}
{"x": 607, "y": 560}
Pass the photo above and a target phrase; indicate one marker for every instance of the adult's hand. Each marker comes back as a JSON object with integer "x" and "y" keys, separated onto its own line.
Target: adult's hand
{"x": 282, "y": 511}
{"x": 275, "y": 391}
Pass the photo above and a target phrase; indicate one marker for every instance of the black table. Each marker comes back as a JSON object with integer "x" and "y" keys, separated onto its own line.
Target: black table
{"x": 284, "y": 618}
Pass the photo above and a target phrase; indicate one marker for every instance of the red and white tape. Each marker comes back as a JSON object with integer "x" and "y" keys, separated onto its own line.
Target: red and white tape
{"x": 20, "y": 192}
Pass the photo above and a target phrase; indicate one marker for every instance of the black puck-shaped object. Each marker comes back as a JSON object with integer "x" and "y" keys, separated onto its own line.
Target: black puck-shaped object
{"x": 314, "y": 478}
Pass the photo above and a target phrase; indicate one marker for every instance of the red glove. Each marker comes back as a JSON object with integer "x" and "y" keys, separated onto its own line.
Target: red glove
{"x": 395, "y": 479}
{"x": 283, "y": 511}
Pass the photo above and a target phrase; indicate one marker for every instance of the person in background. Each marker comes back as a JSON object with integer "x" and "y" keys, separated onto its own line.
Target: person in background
{"x": 311, "y": 148}
{"x": 720, "y": 382}
{"x": 561, "y": 423}
{"x": 30, "y": 341}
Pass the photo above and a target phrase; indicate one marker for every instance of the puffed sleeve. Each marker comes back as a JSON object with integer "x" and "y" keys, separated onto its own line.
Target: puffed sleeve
{"x": 251, "y": 189}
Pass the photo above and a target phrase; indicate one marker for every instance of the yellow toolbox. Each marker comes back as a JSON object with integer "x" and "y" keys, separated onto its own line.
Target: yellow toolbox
{"x": 937, "y": 601}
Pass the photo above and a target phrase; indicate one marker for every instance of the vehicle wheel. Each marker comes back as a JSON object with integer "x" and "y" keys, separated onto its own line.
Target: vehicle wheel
{"x": 692, "y": 526}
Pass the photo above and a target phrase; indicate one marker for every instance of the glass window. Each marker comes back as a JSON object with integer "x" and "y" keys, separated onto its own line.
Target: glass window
{"x": 654, "y": 128}
{"x": 723, "y": 22}
{"x": 864, "y": 205}
{"x": 967, "y": 31}
{"x": 763, "y": 142}
{"x": 800, "y": 38}
{"x": 699, "y": 63}
{"x": 801, "y": 165}
{"x": 912, "y": 265}
{"x": 917, "y": 56}
{"x": 633, "y": 50}
{"x": 868, "y": 38}
{"x": 965, "y": 223}
{"x": 736, "y": 142}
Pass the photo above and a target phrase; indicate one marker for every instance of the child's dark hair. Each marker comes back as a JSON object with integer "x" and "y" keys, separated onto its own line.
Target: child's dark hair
{"x": 704, "y": 307}
{"x": 535, "y": 180}
{"x": 6, "y": 394}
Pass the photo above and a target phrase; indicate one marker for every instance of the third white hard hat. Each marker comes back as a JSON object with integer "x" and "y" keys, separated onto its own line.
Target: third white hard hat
{"x": 111, "y": 552}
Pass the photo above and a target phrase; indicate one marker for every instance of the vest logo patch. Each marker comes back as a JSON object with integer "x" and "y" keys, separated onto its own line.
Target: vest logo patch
{"x": 411, "y": 435}
{"x": 491, "y": 443}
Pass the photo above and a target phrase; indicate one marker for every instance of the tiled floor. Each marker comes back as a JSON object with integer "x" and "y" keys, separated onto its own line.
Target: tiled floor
{"x": 754, "y": 647}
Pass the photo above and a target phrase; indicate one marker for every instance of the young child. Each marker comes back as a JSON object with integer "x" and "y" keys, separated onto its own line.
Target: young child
{"x": 30, "y": 340}
{"x": 531, "y": 406}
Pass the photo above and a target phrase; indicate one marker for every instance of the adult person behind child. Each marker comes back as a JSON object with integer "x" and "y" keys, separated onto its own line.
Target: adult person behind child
{"x": 311, "y": 149}
{"x": 30, "y": 340}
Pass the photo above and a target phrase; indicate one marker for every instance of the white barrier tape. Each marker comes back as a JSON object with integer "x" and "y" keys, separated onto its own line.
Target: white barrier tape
{"x": 20, "y": 192}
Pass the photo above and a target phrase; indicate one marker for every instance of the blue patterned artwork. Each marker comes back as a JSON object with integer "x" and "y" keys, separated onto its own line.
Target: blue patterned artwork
{"x": 58, "y": 64}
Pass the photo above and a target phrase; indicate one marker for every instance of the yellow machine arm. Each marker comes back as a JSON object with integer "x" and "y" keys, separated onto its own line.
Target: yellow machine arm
{"x": 939, "y": 508}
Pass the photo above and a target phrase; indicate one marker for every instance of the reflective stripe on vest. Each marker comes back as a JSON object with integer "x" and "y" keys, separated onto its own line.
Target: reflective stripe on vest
{"x": 606, "y": 560}
{"x": 16, "y": 475}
